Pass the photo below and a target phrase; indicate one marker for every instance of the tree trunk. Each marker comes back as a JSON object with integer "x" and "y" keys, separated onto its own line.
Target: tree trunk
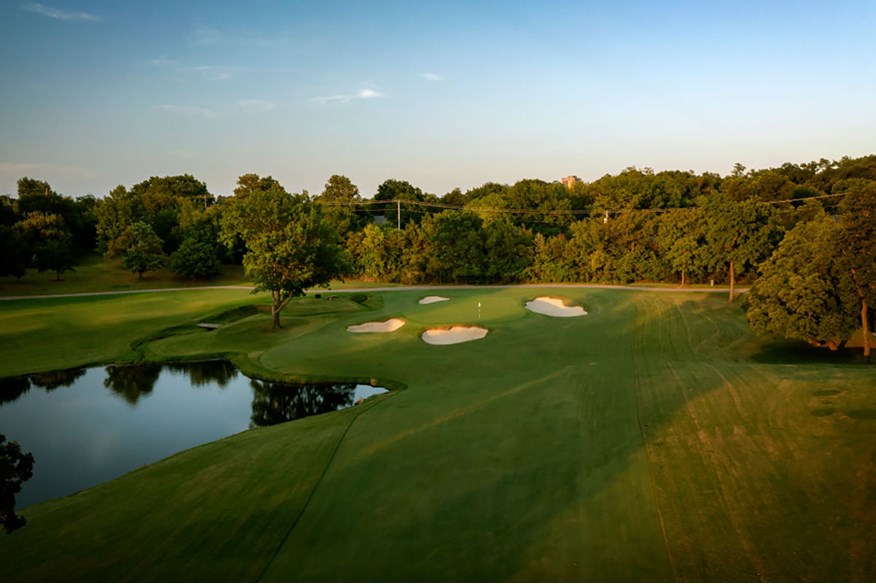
{"x": 275, "y": 315}
{"x": 276, "y": 306}
{"x": 682, "y": 278}
{"x": 732, "y": 280}
{"x": 57, "y": 275}
{"x": 865, "y": 326}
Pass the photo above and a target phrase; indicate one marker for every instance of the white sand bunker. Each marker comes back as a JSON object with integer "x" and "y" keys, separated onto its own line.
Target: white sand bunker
{"x": 387, "y": 326}
{"x": 433, "y": 299}
{"x": 554, "y": 307}
{"x": 453, "y": 335}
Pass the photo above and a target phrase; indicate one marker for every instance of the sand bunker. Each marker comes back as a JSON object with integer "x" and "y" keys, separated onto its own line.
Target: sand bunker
{"x": 554, "y": 307}
{"x": 433, "y": 299}
{"x": 453, "y": 335}
{"x": 387, "y": 326}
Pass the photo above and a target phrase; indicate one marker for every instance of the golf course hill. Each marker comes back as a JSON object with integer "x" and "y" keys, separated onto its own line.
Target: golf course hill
{"x": 657, "y": 438}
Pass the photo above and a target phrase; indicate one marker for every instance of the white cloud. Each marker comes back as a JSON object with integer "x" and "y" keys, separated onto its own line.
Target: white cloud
{"x": 213, "y": 72}
{"x": 431, "y": 77}
{"x": 59, "y": 14}
{"x": 186, "y": 110}
{"x": 366, "y": 93}
{"x": 208, "y": 35}
{"x": 255, "y": 105}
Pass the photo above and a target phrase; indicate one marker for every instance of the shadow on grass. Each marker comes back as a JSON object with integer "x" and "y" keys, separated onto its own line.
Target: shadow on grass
{"x": 790, "y": 353}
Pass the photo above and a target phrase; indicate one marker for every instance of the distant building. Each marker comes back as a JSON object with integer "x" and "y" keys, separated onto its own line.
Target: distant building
{"x": 570, "y": 181}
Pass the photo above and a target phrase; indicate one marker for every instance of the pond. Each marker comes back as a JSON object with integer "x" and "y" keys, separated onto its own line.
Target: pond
{"x": 87, "y": 426}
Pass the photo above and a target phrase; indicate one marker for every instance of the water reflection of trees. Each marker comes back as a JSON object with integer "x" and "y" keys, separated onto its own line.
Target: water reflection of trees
{"x": 274, "y": 402}
{"x": 203, "y": 373}
{"x": 12, "y": 388}
{"x": 131, "y": 382}
{"x": 50, "y": 380}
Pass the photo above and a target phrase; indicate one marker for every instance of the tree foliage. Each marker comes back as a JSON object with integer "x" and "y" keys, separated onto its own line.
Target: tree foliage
{"x": 290, "y": 246}
{"x": 339, "y": 200}
{"x": 857, "y": 242}
{"x": 800, "y": 294}
{"x": 681, "y": 235}
{"x": 48, "y": 242}
{"x": 16, "y": 467}
{"x": 195, "y": 259}
{"x": 739, "y": 235}
{"x": 144, "y": 252}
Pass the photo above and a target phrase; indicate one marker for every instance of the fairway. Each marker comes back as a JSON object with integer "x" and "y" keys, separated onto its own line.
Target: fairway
{"x": 654, "y": 438}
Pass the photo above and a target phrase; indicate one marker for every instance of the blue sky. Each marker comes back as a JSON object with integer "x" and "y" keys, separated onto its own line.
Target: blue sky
{"x": 442, "y": 94}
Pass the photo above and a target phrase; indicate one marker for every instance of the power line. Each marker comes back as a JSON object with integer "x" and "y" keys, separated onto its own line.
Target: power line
{"x": 546, "y": 212}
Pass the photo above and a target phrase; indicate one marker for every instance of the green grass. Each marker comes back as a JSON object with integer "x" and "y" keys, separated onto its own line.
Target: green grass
{"x": 654, "y": 439}
{"x": 98, "y": 274}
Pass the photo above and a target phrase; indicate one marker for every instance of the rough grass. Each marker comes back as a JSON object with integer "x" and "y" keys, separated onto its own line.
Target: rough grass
{"x": 645, "y": 441}
{"x": 98, "y": 274}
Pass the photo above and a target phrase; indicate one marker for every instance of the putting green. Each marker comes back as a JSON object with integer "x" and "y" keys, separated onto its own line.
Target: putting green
{"x": 655, "y": 439}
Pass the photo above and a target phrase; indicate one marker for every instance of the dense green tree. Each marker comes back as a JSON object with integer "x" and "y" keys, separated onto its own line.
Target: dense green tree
{"x": 9, "y": 214}
{"x": 457, "y": 246}
{"x": 16, "y": 467}
{"x": 551, "y": 260}
{"x": 369, "y": 252}
{"x": 290, "y": 246}
{"x": 340, "y": 199}
{"x": 199, "y": 255}
{"x": 762, "y": 185}
{"x": 249, "y": 184}
{"x": 682, "y": 239}
{"x": 635, "y": 188}
{"x": 549, "y": 204}
{"x": 37, "y": 227}
{"x": 399, "y": 190}
{"x": 484, "y": 190}
{"x": 492, "y": 207}
{"x": 739, "y": 234}
{"x": 144, "y": 253}
{"x": 411, "y": 250}
{"x": 48, "y": 242}
{"x": 163, "y": 199}
{"x": 15, "y": 256}
{"x": 116, "y": 214}
{"x": 454, "y": 197}
{"x": 54, "y": 255}
{"x": 508, "y": 251}
{"x": 799, "y": 294}
{"x": 79, "y": 219}
{"x": 857, "y": 242}
{"x": 38, "y": 196}
{"x": 195, "y": 259}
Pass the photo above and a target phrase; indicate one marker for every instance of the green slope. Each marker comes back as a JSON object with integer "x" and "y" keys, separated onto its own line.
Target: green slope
{"x": 654, "y": 439}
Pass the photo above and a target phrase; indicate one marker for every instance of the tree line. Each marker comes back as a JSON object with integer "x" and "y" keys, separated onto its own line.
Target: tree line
{"x": 637, "y": 226}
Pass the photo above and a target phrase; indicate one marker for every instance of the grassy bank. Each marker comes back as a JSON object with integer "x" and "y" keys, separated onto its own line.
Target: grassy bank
{"x": 654, "y": 439}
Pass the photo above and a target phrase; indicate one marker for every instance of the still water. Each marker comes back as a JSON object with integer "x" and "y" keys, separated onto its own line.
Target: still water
{"x": 87, "y": 426}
